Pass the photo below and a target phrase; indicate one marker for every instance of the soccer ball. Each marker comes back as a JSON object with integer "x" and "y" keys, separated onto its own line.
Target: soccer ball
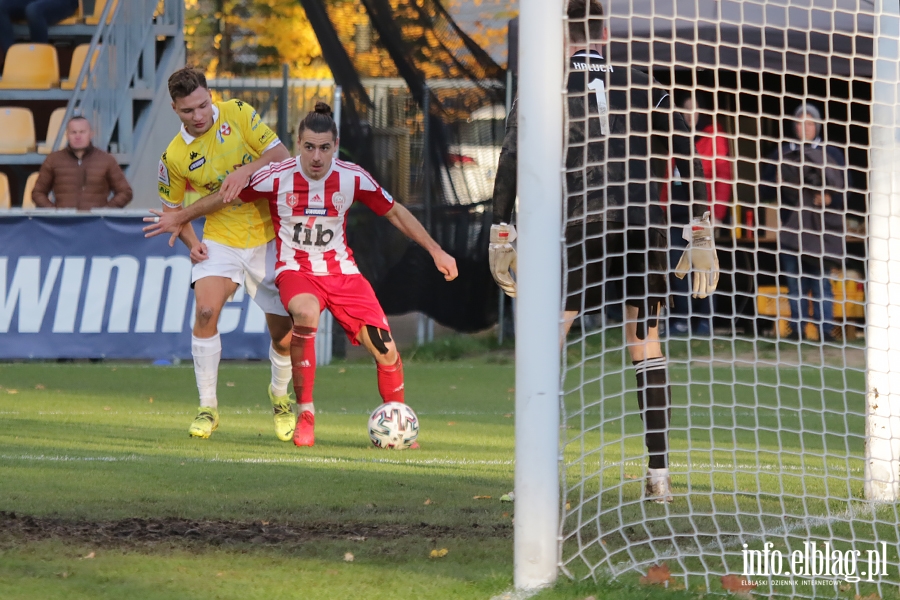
{"x": 393, "y": 425}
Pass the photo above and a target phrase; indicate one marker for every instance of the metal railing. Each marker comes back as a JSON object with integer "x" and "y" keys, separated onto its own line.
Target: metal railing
{"x": 124, "y": 44}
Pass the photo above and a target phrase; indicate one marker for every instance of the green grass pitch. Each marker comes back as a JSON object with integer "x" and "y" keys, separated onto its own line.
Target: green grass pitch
{"x": 105, "y": 496}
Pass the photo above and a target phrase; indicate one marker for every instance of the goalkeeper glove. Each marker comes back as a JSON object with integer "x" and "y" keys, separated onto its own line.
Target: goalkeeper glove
{"x": 502, "y": 257}
{"x": 700, "y": 256}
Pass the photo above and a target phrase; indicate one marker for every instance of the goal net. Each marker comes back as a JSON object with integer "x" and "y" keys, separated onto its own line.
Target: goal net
{"x": 770, "y": 401}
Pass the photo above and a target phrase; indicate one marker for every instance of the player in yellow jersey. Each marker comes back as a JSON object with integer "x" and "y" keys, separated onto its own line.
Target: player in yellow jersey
{"x": 220, "y": 145}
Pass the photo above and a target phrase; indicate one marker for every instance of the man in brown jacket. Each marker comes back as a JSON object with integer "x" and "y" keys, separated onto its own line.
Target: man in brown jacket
{"x": 81, "y": 176}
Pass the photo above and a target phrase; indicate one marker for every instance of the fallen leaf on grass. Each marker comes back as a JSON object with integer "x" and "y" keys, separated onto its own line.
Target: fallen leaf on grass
{"x": 872, "y": 596}
{"x": 348, "y": 557}
{"x": 342, "y": 370}
{"x": 452, "y": 387}
{"x": 568, "y": 506}
{"x": 738, "y": 585}
{"x": 505, "y": 515}
{"x": 107, "y": 408}
{"x": 357, "y": 538}
{"x": 508, "y": 415}
{"x": 439, "y": 553}
{"x": 427, "y": 501}
{"x": 12, "y": 391}
{"x": 219, "y": 574}
{"x": 40, "y": 386}
{"x": 481, "y": 497}
{"x": 151, "y": 400}
{"x": 591, "y": 598}
{"x": 631, "y": 476}
{"x": 510, "y": 390}
{"x": 657, "y": 575}
{"x": 64, "y": 574}
{"x": 230, "y": 383}
{"x": 90, "y": 556}
{"x": 451, "y": 423}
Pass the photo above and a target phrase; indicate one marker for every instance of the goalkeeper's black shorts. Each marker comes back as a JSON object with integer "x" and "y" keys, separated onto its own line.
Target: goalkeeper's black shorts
{"x": 602, "y": 257}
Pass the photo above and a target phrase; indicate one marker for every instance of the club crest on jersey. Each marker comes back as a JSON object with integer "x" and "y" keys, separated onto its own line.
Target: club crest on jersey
{"x": 293, "y": 200}
{"x": 339, "y": 200}
{"x": 316, "y": 212}
{"x": 226, "y": 128}
{"x": 163, "y": 173}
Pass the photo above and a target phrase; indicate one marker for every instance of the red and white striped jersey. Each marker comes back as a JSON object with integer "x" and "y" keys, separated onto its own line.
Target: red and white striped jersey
{"x": 309, "y": 216}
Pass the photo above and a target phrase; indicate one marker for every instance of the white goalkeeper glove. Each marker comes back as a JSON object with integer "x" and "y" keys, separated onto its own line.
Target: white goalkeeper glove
{"x": 700, "y": 256}
{"x": 502, "y": 257}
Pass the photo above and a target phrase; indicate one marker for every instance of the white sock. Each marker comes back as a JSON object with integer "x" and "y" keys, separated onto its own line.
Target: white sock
{"x": 281, "y": 372}
{"x": 658, "y": 474}
{"x": 308, "y": 406}
{"x": 207, "y": 352}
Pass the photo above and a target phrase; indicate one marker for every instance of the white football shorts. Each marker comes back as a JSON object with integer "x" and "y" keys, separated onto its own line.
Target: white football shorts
{"x": 254, "y": 268}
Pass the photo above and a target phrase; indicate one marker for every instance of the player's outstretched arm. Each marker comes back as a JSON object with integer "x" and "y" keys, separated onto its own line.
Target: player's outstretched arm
{"x": 404, "y": 220}
{"x": 173, "y": 220}
{"x": 238, "y": 179}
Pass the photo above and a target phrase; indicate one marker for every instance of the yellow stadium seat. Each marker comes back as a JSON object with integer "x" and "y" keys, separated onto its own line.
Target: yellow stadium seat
{"x": 4, "y": 192}
{"x": 76, "y": 18}
{"x": 17, "y": 125}
{"x": 27, "y": 200}
{"x": 30, "y": 67}
{"x": 78, "y": 58}
{"x": 98, "y": 12}
{"x": 56, "y": 121}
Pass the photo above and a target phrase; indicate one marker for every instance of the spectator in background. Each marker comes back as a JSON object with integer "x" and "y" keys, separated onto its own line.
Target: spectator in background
{"x": 40, "y": 14}
{"x": 811, "y": 180}
{"x": 80, "y": 175}
{"x": 712, "y": 148}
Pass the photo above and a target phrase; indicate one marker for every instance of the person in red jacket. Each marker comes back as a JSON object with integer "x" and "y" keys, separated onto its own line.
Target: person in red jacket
{"x": 714, "y": 151}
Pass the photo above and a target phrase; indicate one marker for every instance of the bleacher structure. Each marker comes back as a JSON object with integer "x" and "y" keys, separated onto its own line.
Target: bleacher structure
{"x": 109, "y": 62}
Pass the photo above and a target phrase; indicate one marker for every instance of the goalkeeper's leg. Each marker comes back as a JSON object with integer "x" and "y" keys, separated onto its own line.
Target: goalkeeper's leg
{"x": 653, "y": 395}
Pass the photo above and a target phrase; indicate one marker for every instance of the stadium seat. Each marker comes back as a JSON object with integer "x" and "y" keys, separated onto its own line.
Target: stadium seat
{"x": 98, "y": 12}
{"x": 78, "y": 58}
{"x": 27, "y": 200}
{"x": 17, "y": 125}
{"x": 4, "y": 192}
{"x": 30, "y": 67}
{"x": 76, "y": 18}
{"x": 56, "y": 121}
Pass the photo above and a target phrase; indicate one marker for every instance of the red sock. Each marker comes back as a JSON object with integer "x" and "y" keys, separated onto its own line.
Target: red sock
{"x": 303, "y": 362}
{"x": 390, "y": 381}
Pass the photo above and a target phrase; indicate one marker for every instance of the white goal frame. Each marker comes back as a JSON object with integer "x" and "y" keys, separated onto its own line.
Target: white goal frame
{"x": 541, "y": 94}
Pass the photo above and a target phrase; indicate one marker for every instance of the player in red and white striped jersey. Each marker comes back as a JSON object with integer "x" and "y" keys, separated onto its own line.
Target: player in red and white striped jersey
{"x": 309, "y": 197}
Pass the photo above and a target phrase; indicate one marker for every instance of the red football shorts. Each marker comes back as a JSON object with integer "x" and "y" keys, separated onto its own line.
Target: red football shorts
{"x": 350, "y": 298}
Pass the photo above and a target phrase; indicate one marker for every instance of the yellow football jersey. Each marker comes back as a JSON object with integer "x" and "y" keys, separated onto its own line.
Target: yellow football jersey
{"x": 238, "y": 136}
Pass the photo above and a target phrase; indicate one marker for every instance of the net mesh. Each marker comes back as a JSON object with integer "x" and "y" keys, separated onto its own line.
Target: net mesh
{"x": 767, "y": 378}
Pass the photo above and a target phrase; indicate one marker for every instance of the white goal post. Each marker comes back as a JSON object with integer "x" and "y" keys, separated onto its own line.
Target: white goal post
{"x": 540, "y": 152}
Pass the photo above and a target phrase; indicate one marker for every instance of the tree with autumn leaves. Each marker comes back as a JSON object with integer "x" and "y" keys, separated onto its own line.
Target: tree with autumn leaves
{"x": 253, "y": 38}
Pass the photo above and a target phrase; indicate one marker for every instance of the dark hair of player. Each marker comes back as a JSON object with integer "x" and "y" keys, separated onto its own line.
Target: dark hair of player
{"x": 184, "y": 81}
{"x": 319, "y": 120}
{"x": 78, "y": 118}
{"x": 585, "y": 21}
